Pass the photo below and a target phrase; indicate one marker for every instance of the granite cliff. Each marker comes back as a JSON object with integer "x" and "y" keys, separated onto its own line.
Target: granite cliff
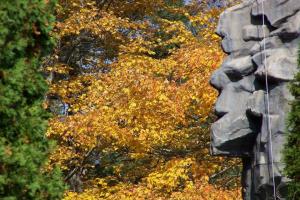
{"x": 258, "y": 38}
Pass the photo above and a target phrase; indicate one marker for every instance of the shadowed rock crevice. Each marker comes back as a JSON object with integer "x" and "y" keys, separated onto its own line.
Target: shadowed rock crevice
{"x": 254, "y": 50}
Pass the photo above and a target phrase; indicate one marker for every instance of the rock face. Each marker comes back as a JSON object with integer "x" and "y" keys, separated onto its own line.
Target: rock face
{"x": 243, "y": 129}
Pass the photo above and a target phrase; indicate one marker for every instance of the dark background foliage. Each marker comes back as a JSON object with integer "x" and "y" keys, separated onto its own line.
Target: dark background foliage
{"x": 292, "y": 149}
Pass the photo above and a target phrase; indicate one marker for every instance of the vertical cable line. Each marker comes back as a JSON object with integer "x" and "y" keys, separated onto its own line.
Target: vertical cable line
{"x": 268, "y": 100}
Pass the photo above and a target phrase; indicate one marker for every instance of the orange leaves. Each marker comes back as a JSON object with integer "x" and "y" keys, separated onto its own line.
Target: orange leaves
{"x": 204, "y": 191}
{"x": 97, "y": 22}
{"x": 136, "y": 88}
{"x": 175, "y": 174}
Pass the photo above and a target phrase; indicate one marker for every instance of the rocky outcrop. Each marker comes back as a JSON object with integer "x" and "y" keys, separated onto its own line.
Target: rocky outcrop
{"x": 255, "y": 48}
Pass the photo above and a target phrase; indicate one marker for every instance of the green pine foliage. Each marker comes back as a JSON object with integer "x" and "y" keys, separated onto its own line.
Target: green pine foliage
{"x": 24, "y": 39}
{"x": 292, "y": 149}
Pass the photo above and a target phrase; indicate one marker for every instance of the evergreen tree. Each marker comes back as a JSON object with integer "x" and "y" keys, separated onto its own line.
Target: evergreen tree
{"x": 24, "y": 39}
{"x": 292, "y": 150}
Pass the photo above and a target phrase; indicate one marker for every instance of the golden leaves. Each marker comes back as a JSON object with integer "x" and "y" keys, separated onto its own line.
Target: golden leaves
{"x": 147, "y": 116}
{"x": 174, "y": 175}
{"x": 58, "y": 68}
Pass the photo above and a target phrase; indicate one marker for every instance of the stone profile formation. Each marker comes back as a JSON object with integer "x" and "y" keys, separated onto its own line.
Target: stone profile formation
{"x": 261, "y": 39}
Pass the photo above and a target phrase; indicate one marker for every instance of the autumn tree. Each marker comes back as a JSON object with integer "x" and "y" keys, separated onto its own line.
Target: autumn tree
{"x": 129, "y": 84}
{"x": 24, "y": 37}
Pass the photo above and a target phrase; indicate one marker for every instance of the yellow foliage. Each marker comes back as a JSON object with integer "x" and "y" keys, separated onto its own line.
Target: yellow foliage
{"x": 139, "y": 103}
